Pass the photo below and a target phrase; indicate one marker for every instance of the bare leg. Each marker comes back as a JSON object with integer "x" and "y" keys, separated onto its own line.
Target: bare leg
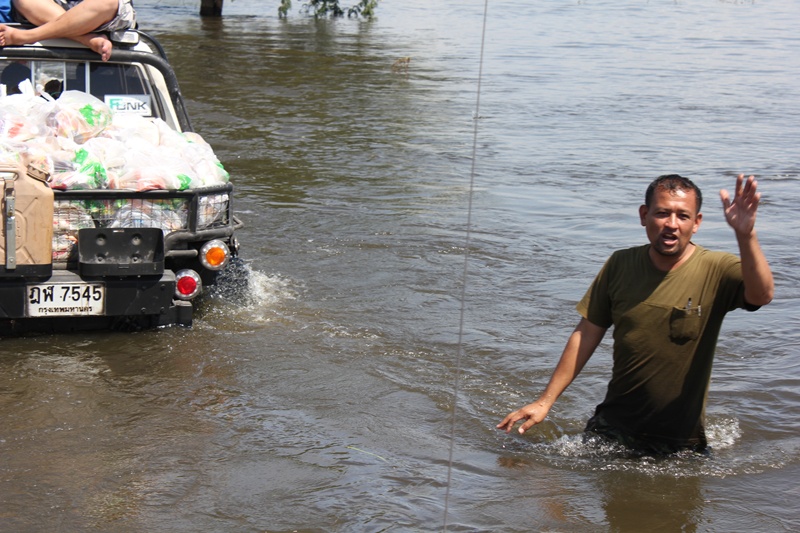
{"x": 76, "y": 24}
{"x": 38, "y": 12}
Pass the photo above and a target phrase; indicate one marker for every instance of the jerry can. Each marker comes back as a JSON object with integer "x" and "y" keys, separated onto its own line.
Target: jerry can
{"x": 26, "y": 222}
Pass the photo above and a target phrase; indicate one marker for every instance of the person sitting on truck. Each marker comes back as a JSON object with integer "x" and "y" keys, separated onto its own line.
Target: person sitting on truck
{"x": 79, "y": 20}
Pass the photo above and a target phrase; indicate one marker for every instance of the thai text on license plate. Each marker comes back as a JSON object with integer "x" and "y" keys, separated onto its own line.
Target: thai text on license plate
{"x": 66, "y": 299}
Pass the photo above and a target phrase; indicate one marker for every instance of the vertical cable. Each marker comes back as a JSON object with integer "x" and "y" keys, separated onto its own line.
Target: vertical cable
{"x": 468, "y": 243}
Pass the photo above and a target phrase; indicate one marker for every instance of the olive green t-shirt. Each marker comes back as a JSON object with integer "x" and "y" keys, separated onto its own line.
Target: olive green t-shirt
{"x": 666, "y": 326}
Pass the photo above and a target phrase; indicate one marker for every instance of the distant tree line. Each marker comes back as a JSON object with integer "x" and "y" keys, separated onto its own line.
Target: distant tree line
{"x": 324, "y": 8}
{"x": 319, "y": 8}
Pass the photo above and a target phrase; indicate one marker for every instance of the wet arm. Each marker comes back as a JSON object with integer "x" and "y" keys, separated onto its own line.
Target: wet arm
{"x": 759, "y": 286}
{"x": 740, "y": 213}
{"x": 580, "y": 347}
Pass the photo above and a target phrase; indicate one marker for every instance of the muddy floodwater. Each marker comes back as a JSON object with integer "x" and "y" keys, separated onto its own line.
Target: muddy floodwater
{"x": 321, "y": 400}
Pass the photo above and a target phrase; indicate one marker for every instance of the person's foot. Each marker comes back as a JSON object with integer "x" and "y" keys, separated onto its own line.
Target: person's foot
{"x": 99, "y": 44}
{"x": 12, "y": 36}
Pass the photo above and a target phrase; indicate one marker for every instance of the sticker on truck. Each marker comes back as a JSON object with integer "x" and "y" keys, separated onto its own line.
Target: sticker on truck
{"x": 133, "y": 104}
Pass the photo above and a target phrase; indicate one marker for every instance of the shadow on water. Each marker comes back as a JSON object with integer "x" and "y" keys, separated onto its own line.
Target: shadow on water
{"x": 630, "y": 492}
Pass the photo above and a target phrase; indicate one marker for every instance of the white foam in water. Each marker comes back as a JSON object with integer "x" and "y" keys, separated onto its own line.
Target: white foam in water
{"x": 266, "y": 289}
{"x": 245, "y": 290}
{"x": 577, "y": 451}
{"x": 723, "y": 433}
{"x": 582, "y": 446}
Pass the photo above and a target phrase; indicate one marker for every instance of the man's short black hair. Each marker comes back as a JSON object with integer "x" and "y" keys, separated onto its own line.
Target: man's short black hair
{"x": 672, "y": 182}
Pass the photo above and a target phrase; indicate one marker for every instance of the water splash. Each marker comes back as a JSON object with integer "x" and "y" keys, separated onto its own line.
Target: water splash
{"x": 723, "y": 433}
{"x": 243, "y": 292}
{"x": 584, "y": 452}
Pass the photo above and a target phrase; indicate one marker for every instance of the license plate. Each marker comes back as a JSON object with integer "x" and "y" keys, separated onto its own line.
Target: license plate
{"x": 66, "y": 299}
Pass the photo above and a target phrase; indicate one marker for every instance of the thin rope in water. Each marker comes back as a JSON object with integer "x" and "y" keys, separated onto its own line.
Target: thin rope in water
{"x": 468, "y": 242}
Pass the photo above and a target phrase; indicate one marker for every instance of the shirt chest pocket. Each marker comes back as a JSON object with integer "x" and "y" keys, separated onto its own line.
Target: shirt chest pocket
{"x": 684, "y": 325}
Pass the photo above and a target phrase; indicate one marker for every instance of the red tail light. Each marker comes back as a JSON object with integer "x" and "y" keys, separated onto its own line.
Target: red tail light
{"x": 187, "y": 284}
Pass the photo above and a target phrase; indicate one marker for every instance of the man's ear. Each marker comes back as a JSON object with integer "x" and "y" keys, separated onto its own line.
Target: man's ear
{"x": 697, "y": 220}
{"x": 643, "y": 213}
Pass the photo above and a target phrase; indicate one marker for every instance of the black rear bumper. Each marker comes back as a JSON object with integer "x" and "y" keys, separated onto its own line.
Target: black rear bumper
{"x": 138, "y": 302}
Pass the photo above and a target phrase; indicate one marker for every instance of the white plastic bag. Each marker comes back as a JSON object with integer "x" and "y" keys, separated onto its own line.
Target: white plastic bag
{"x": 80, "y": 116}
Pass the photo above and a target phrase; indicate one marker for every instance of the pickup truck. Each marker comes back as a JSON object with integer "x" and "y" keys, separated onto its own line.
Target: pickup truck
{"x": 113, "y": 255}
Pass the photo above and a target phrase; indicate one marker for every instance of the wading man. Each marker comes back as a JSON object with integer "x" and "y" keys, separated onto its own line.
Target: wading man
{"x": 666, "y": 301}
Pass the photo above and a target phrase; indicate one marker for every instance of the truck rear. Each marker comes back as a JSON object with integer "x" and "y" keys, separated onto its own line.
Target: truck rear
{"x": 115, "y": 214}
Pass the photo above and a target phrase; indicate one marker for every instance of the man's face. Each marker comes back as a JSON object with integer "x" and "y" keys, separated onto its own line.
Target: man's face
{"x": 670, "y": 221}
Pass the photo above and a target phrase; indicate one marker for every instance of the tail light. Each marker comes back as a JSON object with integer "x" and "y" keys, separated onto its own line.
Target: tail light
{"x": 187, "y": 284}
{"x": 214, "y": 255}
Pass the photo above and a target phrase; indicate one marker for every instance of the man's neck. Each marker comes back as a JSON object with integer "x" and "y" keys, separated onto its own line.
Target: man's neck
{"x": 665, "y": 263}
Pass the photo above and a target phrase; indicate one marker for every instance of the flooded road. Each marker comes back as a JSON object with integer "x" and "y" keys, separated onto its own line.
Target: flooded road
{"x": 322, "y": 400}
